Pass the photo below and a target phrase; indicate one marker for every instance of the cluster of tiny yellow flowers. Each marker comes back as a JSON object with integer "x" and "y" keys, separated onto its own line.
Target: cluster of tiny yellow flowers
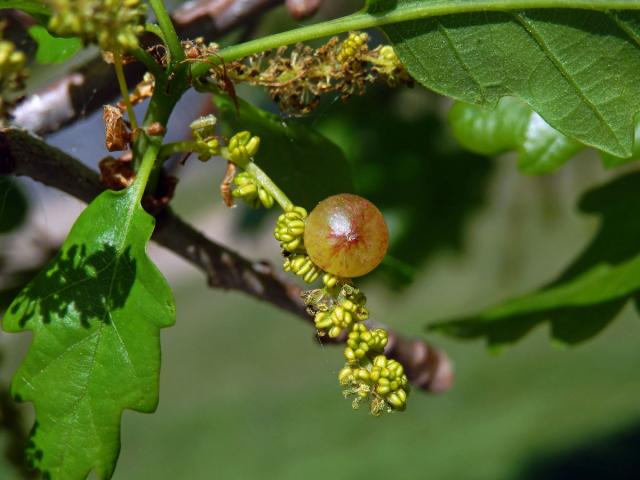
{"x": 338, "y": 307}
{"x": 113, "y": 24}
{"x": 301, "y": 265}
{"x": 361, "y": 342}
{"x": 251, "y": 192}
{"x": 243, "y": 147}
{"x": 383, "y": 381}
{"x": 12, "y": 73}
{"x": 353, "y": 47}
{"x": 297, "y": 78}
{"x": 347, "y": 310}
{"x": 240, "y": 151}
{"x": 290, "y": 229}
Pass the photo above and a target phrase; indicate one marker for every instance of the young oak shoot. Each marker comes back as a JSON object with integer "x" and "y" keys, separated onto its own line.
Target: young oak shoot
{"x": 343, "y": 237}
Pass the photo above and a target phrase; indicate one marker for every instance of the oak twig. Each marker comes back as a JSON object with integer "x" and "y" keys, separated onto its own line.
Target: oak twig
{"x": 22, "y": 154}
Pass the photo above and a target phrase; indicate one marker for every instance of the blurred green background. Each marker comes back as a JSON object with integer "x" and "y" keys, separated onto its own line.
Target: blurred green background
{"x": 246, "y": 391}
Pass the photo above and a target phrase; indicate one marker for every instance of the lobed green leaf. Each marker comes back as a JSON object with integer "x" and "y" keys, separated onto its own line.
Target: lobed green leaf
{"x": 589, "y": 293}
{"x": 95, "y": 313}
{"x": 575, "y": 67}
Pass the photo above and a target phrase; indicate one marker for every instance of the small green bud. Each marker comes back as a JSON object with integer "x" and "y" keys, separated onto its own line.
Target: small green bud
{"x": 334, "y": 332}
{"x": 345, "y": 376}
{"x": 243, "y": 147}
{"x": 253, "y": 194}
{"x": 301, "y": 265}
{"x": 245, "y": 190}
{"x": 343, "y": 314}
{"x": 330, "y": 280}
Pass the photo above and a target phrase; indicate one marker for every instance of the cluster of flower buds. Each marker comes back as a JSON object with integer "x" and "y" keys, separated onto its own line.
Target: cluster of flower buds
{"x": 206, "y": 143}
{"x": 243, "y": 147}
{"x": 113, "y": 24}
{"x": 12, "y": 72}
{"x": 301, "y": 265}
{"x": 251, "y": 192}
{"x": 348, "y": 310}
{"x": 337, "y": 307}
{"x": 289, "y": 230}
{"x": 296, "y": 78}
{"x": 382, "y": 380}
{"x": 353, "y": 47}
{"x": 363, "y": 342}
{"x": 368, "y": 374}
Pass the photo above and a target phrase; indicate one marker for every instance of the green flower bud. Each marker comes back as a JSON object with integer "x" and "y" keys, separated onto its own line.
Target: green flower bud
{"x": 363, "y": 342}
{"x": 343, "y": 314}
{"x": 265, "y": 198}
{"x": 243, "y": 147}
{"x": 330, "y": 280}
{"x": 289, "y": 230}
{"x": 301, "y": 265}
{"x": 253, "y": 194}
{"x": 384, "y": 382}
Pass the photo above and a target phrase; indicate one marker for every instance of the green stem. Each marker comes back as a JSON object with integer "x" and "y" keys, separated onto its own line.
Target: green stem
{"x": 265, "y": 181}
{"x": 169, "y": 149}
{"x": 414, "y": 11}
{"x": 155, "y": 29}
{"x": 146, "y": 167}
{"x": 168, "y": 31}
{"x": 124, "y": 90}
{"x": 148, "y": 61}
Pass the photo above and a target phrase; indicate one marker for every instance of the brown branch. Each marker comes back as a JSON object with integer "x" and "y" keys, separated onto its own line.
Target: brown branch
{"x": 93, "y": 84}
{"x": 22, "y": 154}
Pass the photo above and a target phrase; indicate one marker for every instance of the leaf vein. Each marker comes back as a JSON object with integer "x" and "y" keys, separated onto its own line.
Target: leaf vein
{"x": 531, "y": 31}
{"x": 445, "y": 33}
{"x": 622, "y": 25}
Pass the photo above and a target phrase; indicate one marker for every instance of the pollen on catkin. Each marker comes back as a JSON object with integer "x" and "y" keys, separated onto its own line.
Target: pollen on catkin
{"x": 114, "y": 25}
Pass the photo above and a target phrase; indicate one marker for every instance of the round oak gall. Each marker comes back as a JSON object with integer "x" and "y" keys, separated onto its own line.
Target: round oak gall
{"x": 346, "y": 235}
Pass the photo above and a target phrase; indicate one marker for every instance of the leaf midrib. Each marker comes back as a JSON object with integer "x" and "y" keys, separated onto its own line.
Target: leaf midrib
{"x": 402, "y": 13}
{"x": 436, "y": 8}
{"x": 544, "y": 48}
{"x": 132, "y": 198}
